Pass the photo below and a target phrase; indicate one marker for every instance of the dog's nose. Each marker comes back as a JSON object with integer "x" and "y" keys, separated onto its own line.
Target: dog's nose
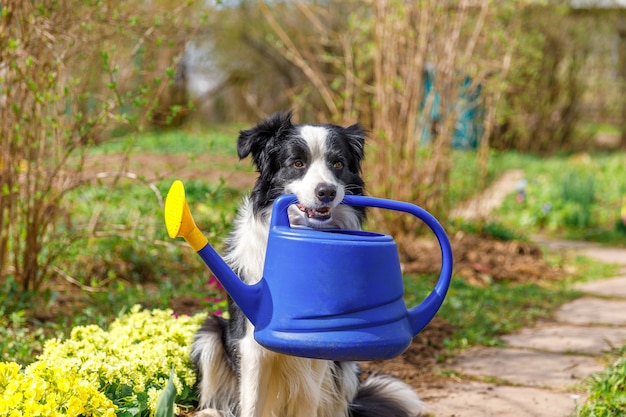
{"x": 326, "y": 192}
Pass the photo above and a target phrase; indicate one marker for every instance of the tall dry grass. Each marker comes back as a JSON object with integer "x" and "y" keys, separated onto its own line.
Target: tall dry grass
{"x": 366, "y": 62}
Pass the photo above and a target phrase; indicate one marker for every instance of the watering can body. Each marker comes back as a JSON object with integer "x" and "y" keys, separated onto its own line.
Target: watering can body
{"x": 326, "y": 309}
{"x": 333, "y": 294}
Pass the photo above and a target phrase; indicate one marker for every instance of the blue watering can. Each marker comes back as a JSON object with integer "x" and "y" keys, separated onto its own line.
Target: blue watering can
{"x": 325, "y": 294}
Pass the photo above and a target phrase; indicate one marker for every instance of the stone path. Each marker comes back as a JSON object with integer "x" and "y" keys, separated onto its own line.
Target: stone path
{"x": 491, "y": 198}
{"x": 541, "y": 370}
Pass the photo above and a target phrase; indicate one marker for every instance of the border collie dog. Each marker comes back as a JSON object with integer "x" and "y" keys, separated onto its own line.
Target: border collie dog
{"x": 237, "y": 377}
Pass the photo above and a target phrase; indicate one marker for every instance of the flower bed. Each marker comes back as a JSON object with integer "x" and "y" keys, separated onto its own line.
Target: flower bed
{"x": 105, "y": 373}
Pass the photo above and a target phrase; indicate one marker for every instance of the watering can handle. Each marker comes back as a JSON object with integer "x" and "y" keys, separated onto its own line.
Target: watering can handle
{"x": 422, "y": 314}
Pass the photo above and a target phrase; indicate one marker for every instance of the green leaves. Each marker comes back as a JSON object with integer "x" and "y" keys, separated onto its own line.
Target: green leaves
{"x": 165, "y": 403}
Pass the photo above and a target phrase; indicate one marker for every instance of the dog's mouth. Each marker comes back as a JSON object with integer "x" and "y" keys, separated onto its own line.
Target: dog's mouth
{"x": 320, "y": 213}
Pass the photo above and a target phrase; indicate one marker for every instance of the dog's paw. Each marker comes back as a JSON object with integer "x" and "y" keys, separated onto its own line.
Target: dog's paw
{"x": 209, "y": 412}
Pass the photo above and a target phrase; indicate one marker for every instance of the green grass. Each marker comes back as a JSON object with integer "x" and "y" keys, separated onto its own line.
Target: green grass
{"x": 219, "y": 139}
{"x": 463, "y": 183}
{"x": 576, "y": 197}
{"x": 606, "y": 128}
{"x": 481, "y": 315}
{"x": 607, "y": 396}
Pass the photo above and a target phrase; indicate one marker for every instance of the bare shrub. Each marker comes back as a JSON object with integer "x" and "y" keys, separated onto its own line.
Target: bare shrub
{"x": 366, "y": 61}
{"x": 70, "y": 70}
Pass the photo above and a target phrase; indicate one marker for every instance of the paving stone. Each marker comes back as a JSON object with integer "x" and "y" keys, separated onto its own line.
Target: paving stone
{"x": 606, "y": 254}
{"x": 527, "y": 367}
{"x": 535, "y": 362}
{"x": 480, "y": 206}
{"x": 568, "y": 338}
{"x": 588, "y": 310}
{"x": 611, "y": 287}
{"x": 557, "y": 244}
{"x": 612, "y": 255}
{"x": 476, "y": 399}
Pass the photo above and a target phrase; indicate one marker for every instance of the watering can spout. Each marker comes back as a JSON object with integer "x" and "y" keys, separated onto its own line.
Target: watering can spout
{"x": 178, "y": 219}
{"x": 180, "y": 223}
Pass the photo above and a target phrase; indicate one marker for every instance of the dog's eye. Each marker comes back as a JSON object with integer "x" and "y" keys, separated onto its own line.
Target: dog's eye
{"x": 298, "y": 163}
{"x": 338, "y": 165}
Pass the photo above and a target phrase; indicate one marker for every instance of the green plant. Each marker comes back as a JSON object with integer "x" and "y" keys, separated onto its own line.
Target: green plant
{"x": 18, "y": 341}
{"x": 12, "y": 298}
{"x": 166, "y": 401}
{"x": 71, "y": 69}
{"x": 608, "y": 392}
{"x": 578, "y": 194}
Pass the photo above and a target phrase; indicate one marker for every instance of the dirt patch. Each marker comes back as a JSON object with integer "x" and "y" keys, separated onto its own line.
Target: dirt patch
{"x": 415, "y": 365}
{"x": 480, "y": 260}
{"x": 156, "y": 166}
{"x": 186, "y": 305}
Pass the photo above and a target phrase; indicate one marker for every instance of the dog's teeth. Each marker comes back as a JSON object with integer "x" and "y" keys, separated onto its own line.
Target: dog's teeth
{"x": 322, "y": 212}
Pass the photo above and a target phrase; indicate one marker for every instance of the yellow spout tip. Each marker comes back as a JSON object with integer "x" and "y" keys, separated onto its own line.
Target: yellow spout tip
{"x": 174, "y": 209}
{"x": 178, "y": 220}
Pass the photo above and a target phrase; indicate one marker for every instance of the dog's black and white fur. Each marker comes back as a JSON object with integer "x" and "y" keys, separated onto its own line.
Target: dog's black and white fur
{"x": 237, "y": 377}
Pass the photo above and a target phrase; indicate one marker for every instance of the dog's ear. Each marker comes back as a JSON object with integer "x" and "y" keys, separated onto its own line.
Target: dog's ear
{"x": 356, "y": 140}
{"x": 253, "y": 141}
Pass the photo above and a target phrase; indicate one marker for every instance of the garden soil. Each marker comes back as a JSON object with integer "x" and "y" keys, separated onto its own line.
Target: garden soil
{"x": 480, "y": 260}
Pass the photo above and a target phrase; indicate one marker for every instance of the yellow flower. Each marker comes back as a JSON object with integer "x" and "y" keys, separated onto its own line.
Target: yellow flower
{"x": 70, "y": 376}
{"x": 8, "y": 372}
{"x": 47, "y": 390}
